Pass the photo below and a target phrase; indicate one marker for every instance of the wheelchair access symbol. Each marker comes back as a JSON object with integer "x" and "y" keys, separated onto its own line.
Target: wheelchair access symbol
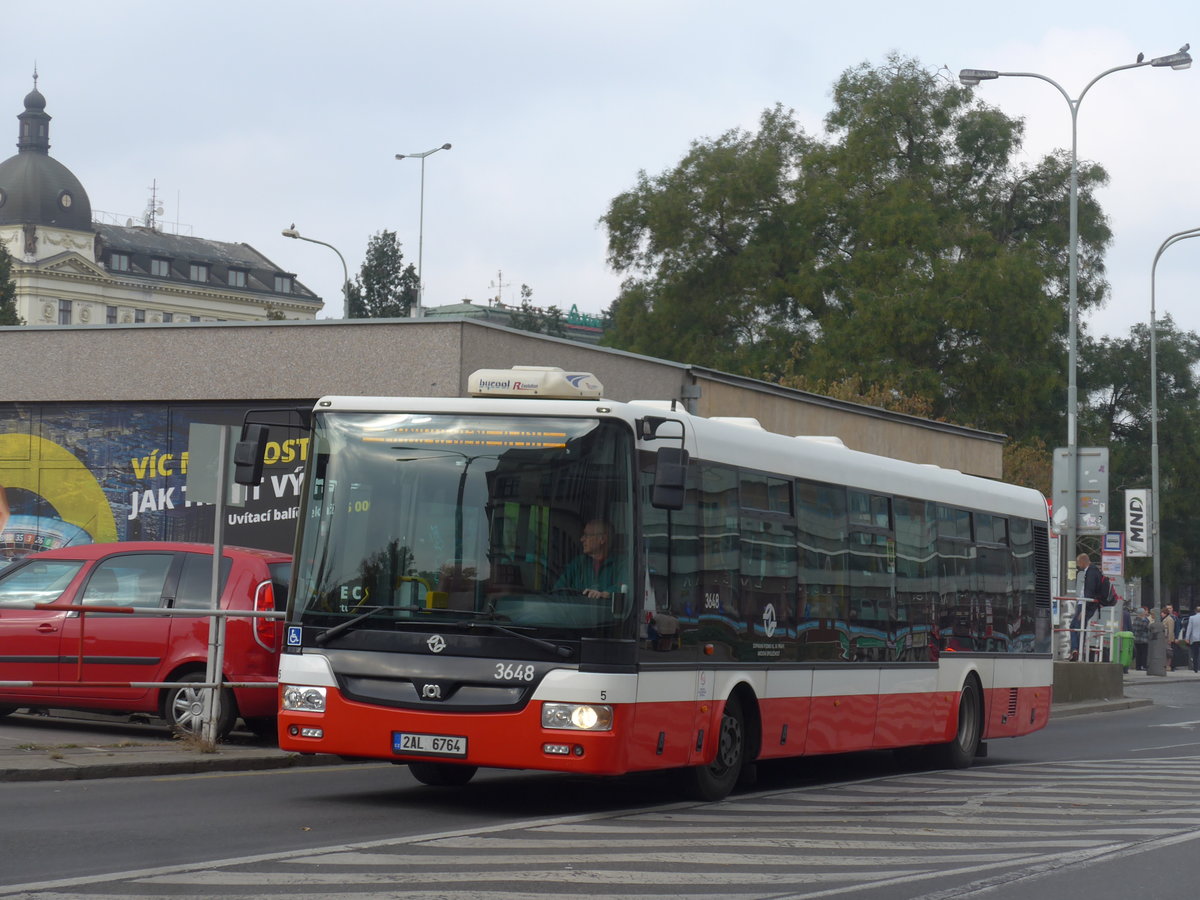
{"x": 294, "y": 635}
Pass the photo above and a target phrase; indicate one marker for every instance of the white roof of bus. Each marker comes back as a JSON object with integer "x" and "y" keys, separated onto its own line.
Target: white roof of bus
{"x": 747, "y": 444}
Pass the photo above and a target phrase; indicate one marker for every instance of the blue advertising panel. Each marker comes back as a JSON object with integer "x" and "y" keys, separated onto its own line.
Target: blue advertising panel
{"x": 102, "y": 472}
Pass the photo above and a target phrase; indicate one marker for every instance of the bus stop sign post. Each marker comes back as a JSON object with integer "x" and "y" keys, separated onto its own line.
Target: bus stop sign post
{"x": 210, "y": 449}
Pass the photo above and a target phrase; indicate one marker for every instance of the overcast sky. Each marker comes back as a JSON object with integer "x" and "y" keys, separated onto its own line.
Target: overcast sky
{"x": 253, "y": 115}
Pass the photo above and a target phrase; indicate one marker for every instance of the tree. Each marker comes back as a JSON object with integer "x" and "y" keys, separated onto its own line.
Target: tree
{"x": 539, "y": 321}
{"x": 905, "y": 249}
{"x": 1114, "y": 377}
{"x": 8, "y": 291}
{"x": 385, "y": 288}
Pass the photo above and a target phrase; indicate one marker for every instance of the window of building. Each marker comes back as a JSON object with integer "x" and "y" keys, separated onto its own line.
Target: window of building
{"x": 118, "y": 262}
{"x": 195, "y": 318}
{"x": 198, "y": 272}
{"x": 283, "y": 284}
{"x": 139, "y": 315}
{"x": 64, "y": 312}
{"x": 110, "y": 315}
{"x": 168, "y": 317}
{"x": 237, "y": 278}
{"x": 160, "y": 267}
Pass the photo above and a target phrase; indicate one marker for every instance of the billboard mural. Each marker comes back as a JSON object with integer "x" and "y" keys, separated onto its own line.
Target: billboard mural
{"x": 101, "y": 472}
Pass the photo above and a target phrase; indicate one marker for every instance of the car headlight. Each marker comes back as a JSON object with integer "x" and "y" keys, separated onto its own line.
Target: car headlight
{"x": 303, "y": 698}
{"x": 577, "y": 716}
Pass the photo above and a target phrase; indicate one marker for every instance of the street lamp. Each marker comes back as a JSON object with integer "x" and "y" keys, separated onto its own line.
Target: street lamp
{"x": 417, "y": 312}
{"x": 291, "y": 232}
{"x": 972, "y": 77}
{"x": 1155, "y": 521}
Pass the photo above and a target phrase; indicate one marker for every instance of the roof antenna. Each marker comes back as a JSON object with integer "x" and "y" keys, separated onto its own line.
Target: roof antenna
{"x": 153, "y": 209}
{"x": 35, "y": 74}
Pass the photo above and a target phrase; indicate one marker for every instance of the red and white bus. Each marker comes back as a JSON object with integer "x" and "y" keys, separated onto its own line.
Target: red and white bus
{"x": 759, "y": 596}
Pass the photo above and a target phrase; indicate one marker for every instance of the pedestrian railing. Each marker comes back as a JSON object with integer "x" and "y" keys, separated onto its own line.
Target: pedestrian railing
{"x": 212, "y": 680}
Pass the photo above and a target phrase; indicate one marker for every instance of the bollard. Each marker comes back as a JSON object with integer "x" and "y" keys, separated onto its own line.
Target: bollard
{"x": 1157, "y": 649}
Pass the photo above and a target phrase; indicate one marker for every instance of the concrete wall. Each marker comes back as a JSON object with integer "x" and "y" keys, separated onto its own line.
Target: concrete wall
{"x": 1074, "y": 682}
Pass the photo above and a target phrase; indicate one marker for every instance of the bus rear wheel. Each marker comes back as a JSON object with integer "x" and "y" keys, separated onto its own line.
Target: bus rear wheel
{"x": 442, "y": 774}
{"x": 960, "y": 752}
{"x": 715, "y": 780}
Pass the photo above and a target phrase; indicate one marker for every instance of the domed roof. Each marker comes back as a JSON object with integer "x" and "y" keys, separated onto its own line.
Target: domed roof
{"x": 35, "y": 188}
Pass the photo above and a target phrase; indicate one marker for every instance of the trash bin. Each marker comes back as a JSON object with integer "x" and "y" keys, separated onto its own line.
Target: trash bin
{"x": 1123, "y": 649}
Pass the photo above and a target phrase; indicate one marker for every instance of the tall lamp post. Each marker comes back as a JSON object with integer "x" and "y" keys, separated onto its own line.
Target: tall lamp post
{"x": 1155, "y": 520}
{"x": 419, "y": 310}
{"x": 972, "y": 77}
{"x": 291, "y": 232}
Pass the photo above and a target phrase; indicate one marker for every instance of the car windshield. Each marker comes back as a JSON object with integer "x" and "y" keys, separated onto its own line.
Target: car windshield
{"x": 439, "y": 518}
{"x": 36, "y": 581}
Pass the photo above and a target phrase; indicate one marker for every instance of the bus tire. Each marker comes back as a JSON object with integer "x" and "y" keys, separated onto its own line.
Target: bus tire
{"x": 7, "y": 710}
{"x": 715, "y": 780}
{"x": 960, "y": 752}
{"x": 442, "y": 774}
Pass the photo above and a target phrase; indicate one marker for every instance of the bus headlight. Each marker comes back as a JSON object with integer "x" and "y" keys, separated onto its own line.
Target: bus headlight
{"x": 303, "y": 698}
{"x": 577, "y": 716}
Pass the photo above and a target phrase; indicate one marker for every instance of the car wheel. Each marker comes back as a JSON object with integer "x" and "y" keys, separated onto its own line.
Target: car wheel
{"x": 183, "y": 707}
{"x": 442, "y": 774}
{"x": 715, "y": 780}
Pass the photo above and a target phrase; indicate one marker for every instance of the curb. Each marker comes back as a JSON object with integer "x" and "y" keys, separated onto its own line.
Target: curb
{"x": 75, "y": 767}
{"x": 1089, "y": 707}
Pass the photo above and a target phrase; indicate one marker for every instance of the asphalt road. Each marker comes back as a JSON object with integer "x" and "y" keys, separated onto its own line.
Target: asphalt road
{"x": 1091, "y": 802}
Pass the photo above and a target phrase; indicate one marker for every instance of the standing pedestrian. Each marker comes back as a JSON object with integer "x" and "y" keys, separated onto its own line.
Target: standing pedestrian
{"x": 1140, "y": 626}
{"x": 1088, "y": 584}
{"x": 1167, "y": 624}
{"x": 1192, "y": 635}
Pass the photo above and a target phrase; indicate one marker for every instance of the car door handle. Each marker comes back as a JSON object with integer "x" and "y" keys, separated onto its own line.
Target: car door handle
{"x": 47, "y": 627}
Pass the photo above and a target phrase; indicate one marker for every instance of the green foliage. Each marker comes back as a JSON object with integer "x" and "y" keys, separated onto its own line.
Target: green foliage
{"x": 8, "y": 291}
{"x": 905, "y": 249}
{"x": 385, "y": 288}
{"x": 528, "y": 317}
{"x": 1114, "y": 377}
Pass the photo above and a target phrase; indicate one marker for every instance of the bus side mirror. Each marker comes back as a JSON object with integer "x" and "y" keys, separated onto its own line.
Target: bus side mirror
{"x": 670, "y": 478}
{"x": 248, "y": 455}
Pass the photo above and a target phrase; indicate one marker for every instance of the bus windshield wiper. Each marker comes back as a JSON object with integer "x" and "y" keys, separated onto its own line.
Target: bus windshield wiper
{"x": 556, "y": 649}
{"x": 330, "y": 633}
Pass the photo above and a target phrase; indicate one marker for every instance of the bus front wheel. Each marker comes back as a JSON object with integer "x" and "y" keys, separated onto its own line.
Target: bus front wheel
{"x": 715, "y": 780}
{"x": 442, "y": 774}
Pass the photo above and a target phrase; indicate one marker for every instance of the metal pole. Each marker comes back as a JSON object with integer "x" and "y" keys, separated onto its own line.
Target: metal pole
{"x": 421, "y": 247}
{"x": 418, "y": 310}
{"x": 970, "y": 77}
{"x": 1155, "y": 520}
{"x": 212, "y": 674}
{"x": 293, "y": 233}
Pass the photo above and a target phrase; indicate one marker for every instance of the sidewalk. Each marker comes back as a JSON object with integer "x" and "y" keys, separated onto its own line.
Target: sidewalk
{"x": 1132, "y": 678}
{"x": 65, "y": 746}
{"x": 71, "y": 746}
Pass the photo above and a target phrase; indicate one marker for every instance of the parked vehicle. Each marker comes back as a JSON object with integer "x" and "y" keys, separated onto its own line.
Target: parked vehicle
{"x": 97, "y": 660}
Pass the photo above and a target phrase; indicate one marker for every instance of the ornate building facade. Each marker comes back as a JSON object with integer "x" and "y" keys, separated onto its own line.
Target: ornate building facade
{"x": 70, "y": 270}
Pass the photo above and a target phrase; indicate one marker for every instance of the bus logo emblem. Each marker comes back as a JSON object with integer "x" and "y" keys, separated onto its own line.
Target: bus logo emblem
{"x": 769, "y": 621}
{"x": 436, "y": 644}
{"x": 431, "y": 691}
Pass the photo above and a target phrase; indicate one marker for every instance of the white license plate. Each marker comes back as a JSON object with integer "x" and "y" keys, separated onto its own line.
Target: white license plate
{"x": 429, "y": 744}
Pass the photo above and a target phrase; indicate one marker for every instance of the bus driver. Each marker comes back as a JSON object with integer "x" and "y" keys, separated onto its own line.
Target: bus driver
{"x": 597, "y": 572}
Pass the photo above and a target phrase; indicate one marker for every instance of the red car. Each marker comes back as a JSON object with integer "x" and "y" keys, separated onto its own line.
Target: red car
{"x": 43, "y": 645}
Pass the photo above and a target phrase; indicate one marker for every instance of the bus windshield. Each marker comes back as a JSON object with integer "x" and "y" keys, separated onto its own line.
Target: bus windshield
{"x": 417, "y": 519}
